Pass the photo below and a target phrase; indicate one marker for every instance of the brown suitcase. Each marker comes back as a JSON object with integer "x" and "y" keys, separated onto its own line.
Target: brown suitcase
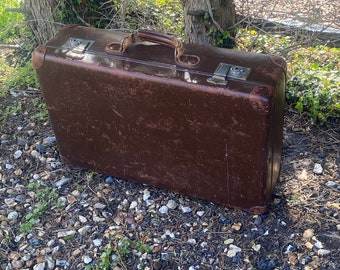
{"x": 197, "y": 120}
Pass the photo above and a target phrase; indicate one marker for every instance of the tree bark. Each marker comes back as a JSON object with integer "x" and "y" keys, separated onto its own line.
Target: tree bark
{"x": 41, "y": 19}
{"x": 209, "y": 20}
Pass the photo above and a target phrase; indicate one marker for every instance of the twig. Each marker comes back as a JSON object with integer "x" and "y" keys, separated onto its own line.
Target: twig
{"x": 212, "y": 17}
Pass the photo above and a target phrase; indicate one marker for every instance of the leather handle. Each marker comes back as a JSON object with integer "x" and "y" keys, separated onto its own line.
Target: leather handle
{"x": 158, "y": 38}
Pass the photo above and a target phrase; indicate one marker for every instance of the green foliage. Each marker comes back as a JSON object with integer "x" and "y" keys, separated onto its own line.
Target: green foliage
{"x": 313, "y": 85}
{"x": 122, "y": 250}
{"x": 45, "y": 198}
{"x": 21, "y": 78}
{"x": 222, "y": 39}
{"x": 9, "y": 21}
{"x": 10, "y": 110}
{"x": 314, "y": 82}
{"x": 42, "y": 112}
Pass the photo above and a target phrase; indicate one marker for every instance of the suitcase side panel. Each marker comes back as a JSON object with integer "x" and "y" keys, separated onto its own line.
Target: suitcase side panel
{"x": 166, "y": 133}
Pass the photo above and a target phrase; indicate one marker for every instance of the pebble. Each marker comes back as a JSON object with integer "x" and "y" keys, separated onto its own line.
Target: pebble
{"x": 317, "y": 168}
{"x": 224, "y": 220}
{"x": 40, "y": 148}
{"x": 309, "y": 245}
{"x": 10, "y": 202}
{"x": 191, "y": 241}
{"x": 82, "y": 219}
{"x": 17, "y": 154}
{"x": 258, "y": 221}
{"x": 17, "y": 264}
{"x": 185, "y": 209}
{"x": 97, "y": 242}
{"x": 36, "y": 176}
{"x": 133, "y": 205}
{"x": 172, "y": 204}
{"x": 165, "y": 256}
{"x": 99, "y": 206}
{"x": 318, "y": 245}
{"x": 31, "y": 132}
{"x": 338, "y": 227}
{"x": 256, "y": 247}
{"x": 62, "y": 263}
{"x": 62, "y": 182}
{"x": 50, "y": 139}
{"x": 236, "y": 226}
{"x": 39, "y": 266}
{"x": 323, "y": 252}
{"x": 228, "y": 241}
{"x": 109, "y": 180}
{"x": 22, "y": 142}
{"x": 64, "y": 233}
{"x": 84, "y": 230}
{"x": 308, "y": 234}
{"x": 163, "y": 210}
{"x": 8, "y": 166}
{"x": 87, "y": 259}
{"x": 146, "y": 195}
{"x": 35, "y": 154}
{"x": 200, "y": 213}
{"x": 13, "y": 215}
{"x": 331, "y": 184}
{"x": 50, "y": 263}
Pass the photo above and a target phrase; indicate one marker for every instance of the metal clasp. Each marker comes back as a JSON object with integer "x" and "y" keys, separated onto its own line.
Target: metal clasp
{"x": 220, "y": 74}
{"x": 223, "y": 71}
{"x": 75, "y": 47}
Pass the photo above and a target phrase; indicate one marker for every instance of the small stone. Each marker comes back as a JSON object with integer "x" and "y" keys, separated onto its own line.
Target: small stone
{"x": 163, "y": 210}
{"x": 97, "y": 242}
{"x": 146, "y": 195}
{"x": 258, "y": 221}
{"x": 10, "y": 202}
{"x": 50, "y": 263}
{"x": 99, "y": 206}
{"x": 309, "y": 245}
{"x": 82, "y": 219}
{"x": 13, "y": 215}
{"x": 236, "y": 226}
{"x": 150, "y": 202}
{"x": 71, "y": 199}
{"x": 62, "y": 263}
{"x": 48, "y": 140}
{"x": 62, "y": 182}
{"x": 87, "y": 259}
{"x": 171, "y": 204}
{"x": 35, "y": 154}
{"x": 323, "y": 252}
{"x": 236, "y": 248}
{"x": 156, "y": 249}
{"x": 331, "y": 184}
{"x": 40, "y": 148}
{"x": 8, "y": 166}
{"x": 31, "y": 132}
{"x": 35, "y": 242}
{"x": 191, "y": 241}
{"x": 228, "y": 241}
{"x": 17, "y": 264}
{"x": 317, "y": 168}
{"x": 84, "y": 230}
{"x": 308, "y": 234}
{"x": 36, "y": 176}
{"x": 256, "y": 247}
{"x": 17, "y": 154}
{"x": 4, "y": 137}
{"x": 185, "y": 209}
{"x": 318, "y": 245}
{"x": 133, "y": 205}
{"x": 166, "y": 256}
{"x": 224, "y": 220}
{"x": 22, "y": 142}
{"x": 39, "y": 266}
{"x": 338, "y": 227}
{"x": 200, "y": 213}
{"x": 64, "y": 233}
{"x": 231, "y": 253}
{"x": 109, "y": 180}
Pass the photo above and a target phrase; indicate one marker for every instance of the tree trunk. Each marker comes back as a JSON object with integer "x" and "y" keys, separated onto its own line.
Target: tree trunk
{"x": 41, "y": 19}
{"x": 210, "y": 22}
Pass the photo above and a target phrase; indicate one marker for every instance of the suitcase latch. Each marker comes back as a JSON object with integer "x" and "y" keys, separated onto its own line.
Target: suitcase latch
{"x": 225, "y": 71}
{"x": 75, "y": 48}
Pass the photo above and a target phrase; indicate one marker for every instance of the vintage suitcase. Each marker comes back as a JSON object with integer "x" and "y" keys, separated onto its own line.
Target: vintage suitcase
{"x": 197, "y": 120}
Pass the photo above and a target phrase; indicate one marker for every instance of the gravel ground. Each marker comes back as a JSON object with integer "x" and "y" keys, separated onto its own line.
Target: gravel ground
{"x": 57, "y": 217}
{"x": 322, "y": 12}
